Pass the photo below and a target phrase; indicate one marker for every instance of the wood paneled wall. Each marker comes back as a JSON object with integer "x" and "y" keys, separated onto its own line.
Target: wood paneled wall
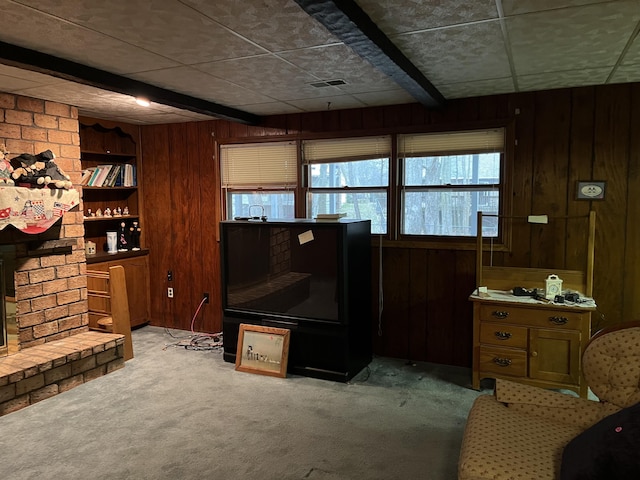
{"x": 562, "y": 136}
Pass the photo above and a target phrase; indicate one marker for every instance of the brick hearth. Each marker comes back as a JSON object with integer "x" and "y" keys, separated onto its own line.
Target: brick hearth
{"x": 43, "y": 371}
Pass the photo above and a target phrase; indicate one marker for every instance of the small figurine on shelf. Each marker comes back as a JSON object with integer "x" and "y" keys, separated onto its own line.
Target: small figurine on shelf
{"x": 123, "y": 244}
{"x": 125, "y": 211}
{"x": 134, "y": 234}
{"x": 107, "y": 212}
{"x": 117, "y": 212}
{"x": 98, "y": 213}
{"x": 89, "y": 212}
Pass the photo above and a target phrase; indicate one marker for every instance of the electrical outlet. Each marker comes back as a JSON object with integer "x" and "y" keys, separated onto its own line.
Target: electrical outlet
{"x": 206, "y": 297}
{"x": 170, "y": 292}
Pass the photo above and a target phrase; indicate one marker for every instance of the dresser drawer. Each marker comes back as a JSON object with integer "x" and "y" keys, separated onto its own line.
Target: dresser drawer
{"x": 536, "y": 317}
{"x": 504, "y": 361}
{"x": 502, "y": 334}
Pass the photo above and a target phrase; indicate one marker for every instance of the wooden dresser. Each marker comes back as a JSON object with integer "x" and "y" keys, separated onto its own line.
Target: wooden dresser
{"x": 537, "y": 343}
{"x": 527, "y": 340}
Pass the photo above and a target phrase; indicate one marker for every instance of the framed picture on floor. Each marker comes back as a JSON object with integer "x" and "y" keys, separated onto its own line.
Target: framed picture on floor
{"x": 263, "y": 350}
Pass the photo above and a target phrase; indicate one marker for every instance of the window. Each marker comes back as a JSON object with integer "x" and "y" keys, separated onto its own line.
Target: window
{"x": 446, "y": 179}
{"x": 415, "y": 187}
{"x": 351, "y": 176}
{"x": 259, "y": 179}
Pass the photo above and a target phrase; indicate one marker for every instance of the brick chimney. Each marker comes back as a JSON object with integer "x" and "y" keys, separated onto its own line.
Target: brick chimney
{"x": 50, "y": 268}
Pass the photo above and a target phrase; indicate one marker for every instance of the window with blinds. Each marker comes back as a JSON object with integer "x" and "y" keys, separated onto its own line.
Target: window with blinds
{"x": 446, "y": 178}
{"x": 349, "y": 176}
{"x": 259, "y": 179}
{"x": 254, "y": 165}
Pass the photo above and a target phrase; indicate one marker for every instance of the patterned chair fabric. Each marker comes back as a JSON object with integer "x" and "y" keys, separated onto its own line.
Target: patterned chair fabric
{"x": 611, "y": 365}
{"x": 520, "y": 431}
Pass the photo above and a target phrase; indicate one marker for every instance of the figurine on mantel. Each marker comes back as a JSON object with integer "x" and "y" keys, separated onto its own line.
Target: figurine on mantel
{"x": 123, "y": 244}
{"x": 98, "y": 213}
{"x": 134, "y": 235}
{"x": 107, "y": 212}
{"x": 125, "y": 211}
{"x": 117, "y": 212}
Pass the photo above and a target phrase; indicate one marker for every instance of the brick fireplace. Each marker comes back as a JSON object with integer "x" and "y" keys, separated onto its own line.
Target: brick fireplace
{"x": 50, "y": 268}
{"x": 49, "y": 348}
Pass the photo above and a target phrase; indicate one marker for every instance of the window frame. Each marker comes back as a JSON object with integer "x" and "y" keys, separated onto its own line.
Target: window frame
{"x": 226, "y": 191}
{"x": 393, "y": 237}
{"x": 502, "y": 241}
{"x": 385, "y": 151}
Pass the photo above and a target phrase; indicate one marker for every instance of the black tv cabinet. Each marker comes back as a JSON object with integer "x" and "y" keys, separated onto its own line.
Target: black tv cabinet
{"x": 311, "y": 277}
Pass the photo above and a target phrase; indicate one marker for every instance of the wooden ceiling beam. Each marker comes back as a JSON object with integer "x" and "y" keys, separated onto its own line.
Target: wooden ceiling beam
{"x": 33, "y": 60}
{"x": 347, "y": 21}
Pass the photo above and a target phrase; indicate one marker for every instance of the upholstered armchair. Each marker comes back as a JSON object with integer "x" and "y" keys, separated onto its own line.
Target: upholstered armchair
{"x": 521, "y": 432}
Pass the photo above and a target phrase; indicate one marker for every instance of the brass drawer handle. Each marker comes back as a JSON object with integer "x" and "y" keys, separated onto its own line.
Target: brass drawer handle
{"x": 558, "y": 320}
{"x": 503, "y": 335}
{"x": 500, "y": 314}
{"x": 502, "y": 362}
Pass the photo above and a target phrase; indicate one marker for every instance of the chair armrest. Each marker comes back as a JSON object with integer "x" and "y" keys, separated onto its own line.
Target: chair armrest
{"x": 549, "y": 404}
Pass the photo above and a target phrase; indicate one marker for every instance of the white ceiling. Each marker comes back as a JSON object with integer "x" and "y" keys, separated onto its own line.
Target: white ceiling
{"x": 261, "y": 56}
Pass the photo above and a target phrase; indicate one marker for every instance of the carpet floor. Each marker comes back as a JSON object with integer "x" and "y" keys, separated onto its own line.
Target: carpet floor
{"x": 174, "y": 413}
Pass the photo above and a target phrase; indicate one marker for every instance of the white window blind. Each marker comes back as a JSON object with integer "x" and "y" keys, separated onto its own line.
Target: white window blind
{"x": 346, "y": 149}
{"x": 450, "y": 143}
{"x": 255, "y": 165}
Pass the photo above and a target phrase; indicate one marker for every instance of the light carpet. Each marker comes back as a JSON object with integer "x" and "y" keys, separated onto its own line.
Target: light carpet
{"x": 173, "y": 413}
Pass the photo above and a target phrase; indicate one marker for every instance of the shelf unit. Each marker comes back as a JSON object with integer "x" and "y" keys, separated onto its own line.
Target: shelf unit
{"x": 106, "y": 143}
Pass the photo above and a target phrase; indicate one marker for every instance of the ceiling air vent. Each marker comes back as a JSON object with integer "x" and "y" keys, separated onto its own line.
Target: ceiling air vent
{"x": 328, "y": 83}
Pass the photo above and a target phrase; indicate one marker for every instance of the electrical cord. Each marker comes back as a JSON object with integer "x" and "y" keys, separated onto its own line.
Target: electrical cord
{"x": 197, "y": 340}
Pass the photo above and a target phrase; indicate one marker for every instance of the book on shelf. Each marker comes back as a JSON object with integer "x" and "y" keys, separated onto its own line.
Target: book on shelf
{"x": 117, "y": 175}
{"x": 94, "y": 175}
{"x": 103, "y": 171}
{"x": 330, "y": 217}
{"x": 86, "y": 175}
{"x": 110, "y": 181}
{"x": 129, "y": 179}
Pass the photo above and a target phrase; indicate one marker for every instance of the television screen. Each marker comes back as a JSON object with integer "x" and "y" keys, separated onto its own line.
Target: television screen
{"x": 288, "y": 270}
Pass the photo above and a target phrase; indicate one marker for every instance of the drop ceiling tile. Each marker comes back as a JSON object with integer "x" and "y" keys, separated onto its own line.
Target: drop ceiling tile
{"x": 82, "y": 96}
{"x": 100, "y": 115}
{"x": 632, "y": 55}
{"x": 588, "y": 37}
{"x": 340, "y": 62}
{"x": 457, "y": 54}
{"x": 24, "y": 27}
{"x": 479, "y": 88}
{"x": 159, "y": 118}
{"x": 411, "y": 15}
{"x": 518, "y": 7}
{"x": 189, "y": 81}
{"x": 15, "y": 79}
{"x": 268, "y": 75}
{"x": 170, "y": 29}
{"x": 33, "y": 77}
{"x": 388, "y": 97}
{"x": 626, "y": 73}
{"x": 276, "y": 25}
{"x": 274, "y": 108}
{"x": 10, "y": 84}
{"x": 327, "y": 103}
{"x": 563, "y": 79}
